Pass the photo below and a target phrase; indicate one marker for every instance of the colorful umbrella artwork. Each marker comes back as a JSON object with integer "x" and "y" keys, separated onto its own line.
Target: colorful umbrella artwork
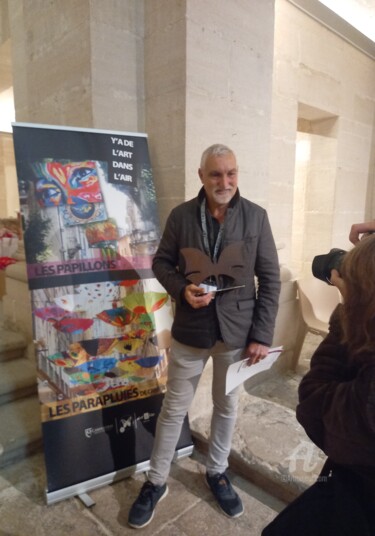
{"x": 78, "y": 354}
{"x": 92, "y": 371}
{"x": 149, "y": 362}
{"x": 93, "y": 296}
{"x": 95, "y": 347}
{"x": 145, "y": 302}
{"x": 81, "y": 351}
{"x": 84, "y": 378}
{"x": 62, "y": 359}
{"x": 51, "y": 313}
{"x": 128, "y": 345}
{"x": 118, "y": 317}
{"x": 128, "y": 282}
{"x": 98, "y": 366}
{"x": 98, "y": 291}
{"x": 70, "y": 302}
{"x": 73, "y": 325}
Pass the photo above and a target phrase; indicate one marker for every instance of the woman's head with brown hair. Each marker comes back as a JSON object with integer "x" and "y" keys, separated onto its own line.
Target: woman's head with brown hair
{"x": 358, "y": 273}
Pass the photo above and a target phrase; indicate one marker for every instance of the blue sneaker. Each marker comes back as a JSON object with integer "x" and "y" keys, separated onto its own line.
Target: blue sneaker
{"x": 227, "y": 499}
{"x": 142, "y": 511}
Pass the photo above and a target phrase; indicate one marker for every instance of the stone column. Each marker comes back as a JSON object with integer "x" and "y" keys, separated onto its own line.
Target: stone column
{"x": 78, "y": 63}
{"x": 208, "y": 79}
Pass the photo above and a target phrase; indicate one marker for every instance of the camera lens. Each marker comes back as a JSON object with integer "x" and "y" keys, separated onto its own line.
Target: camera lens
{"x": 323, "y": 264}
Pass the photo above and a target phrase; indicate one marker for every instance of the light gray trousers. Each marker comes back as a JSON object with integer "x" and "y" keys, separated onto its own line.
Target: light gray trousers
{"x": 186, "y": 365}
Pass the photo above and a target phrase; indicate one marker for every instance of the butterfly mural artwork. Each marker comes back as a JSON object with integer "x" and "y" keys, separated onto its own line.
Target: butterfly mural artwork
{"x": 199, "y": 266}
{"x": 66, "y": 183}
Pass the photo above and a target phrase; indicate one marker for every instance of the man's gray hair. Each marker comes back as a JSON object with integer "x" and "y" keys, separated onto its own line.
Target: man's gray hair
{"x": 218, "y": 149}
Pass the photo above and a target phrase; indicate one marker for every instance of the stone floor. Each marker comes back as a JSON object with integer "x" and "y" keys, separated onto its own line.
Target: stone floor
{"x": 188, "y": 510}
{"x": 271, "y": 462}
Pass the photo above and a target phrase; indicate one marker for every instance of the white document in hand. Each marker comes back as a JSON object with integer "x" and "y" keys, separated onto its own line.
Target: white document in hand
{"x": 239, "y": 372}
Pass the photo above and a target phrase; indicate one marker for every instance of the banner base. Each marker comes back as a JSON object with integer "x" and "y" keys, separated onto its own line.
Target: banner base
{"x": 82, "y": 488}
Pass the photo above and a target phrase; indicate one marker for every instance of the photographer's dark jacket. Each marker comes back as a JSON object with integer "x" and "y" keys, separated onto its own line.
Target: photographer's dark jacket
{"x": 236, "y": 316}
{"x": 337, "y": 405}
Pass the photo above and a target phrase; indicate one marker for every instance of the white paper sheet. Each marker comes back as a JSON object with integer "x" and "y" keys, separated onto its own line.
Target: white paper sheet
{"x": 239, "y": 372}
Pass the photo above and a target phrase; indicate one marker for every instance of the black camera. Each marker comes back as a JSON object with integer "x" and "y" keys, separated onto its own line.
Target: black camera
{"x": 323, "y": 264}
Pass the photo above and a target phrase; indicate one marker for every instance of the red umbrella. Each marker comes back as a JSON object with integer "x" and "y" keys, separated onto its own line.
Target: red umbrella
{"x": 73, "y": 325}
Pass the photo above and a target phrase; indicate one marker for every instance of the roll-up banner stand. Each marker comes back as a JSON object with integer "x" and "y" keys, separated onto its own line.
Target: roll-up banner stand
{"x": 101, "y": 320}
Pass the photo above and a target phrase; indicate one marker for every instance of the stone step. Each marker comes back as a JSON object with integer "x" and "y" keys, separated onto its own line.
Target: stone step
{"x": 17, "y": 380}
{"x": 12, "y": 345}
{"x": 21, "y": 432}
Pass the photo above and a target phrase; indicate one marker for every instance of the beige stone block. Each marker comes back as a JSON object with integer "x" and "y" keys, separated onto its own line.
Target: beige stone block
{"x": 285, "y": 77}
{"x": 208, "y": 73}
{"x": 351, "y": 190}
{"x": 118, "y": 15}
{"x": 284, "y": 117}
{"x": 170, "y": 182}
{"x": 318, "y": 89}
{"x": 354, "y": 152}
{"x": 162, "y": 14}
{"x": 165, "y": 57}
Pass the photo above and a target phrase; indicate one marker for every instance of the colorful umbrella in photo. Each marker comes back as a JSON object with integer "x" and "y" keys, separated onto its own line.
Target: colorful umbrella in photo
{"x": 118, "y": 317}
{"x": 51, "y": 313}
{"x": 93, "y": 296}
{"x": 128, "y": 282}
{"x": 78, "y": 354}
{"x": 73, "y": 325}
{"x": 95, "y": 347}
{"x": 145, "y": 302}
{"x": 62, "y": 359}
{"x": 149, "y": 362}
{"x": 98, "y": 366}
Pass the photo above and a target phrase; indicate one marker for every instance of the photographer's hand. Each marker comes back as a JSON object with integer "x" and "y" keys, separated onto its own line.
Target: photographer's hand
{"x": 338, "y": 281}
{"x": 358, "y": 229}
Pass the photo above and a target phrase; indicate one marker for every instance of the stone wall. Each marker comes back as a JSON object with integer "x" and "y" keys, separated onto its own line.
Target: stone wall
{"x": 190, "y": 73}
{"x": 325, "y": 80}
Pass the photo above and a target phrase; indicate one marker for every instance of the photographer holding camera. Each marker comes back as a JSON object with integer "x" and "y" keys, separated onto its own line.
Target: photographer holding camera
{"x": 337, "y": 410}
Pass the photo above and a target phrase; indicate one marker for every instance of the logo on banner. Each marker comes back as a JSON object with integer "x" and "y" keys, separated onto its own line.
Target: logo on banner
{"x": 125, "y": 423}
{"x": 89, "y": 432}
